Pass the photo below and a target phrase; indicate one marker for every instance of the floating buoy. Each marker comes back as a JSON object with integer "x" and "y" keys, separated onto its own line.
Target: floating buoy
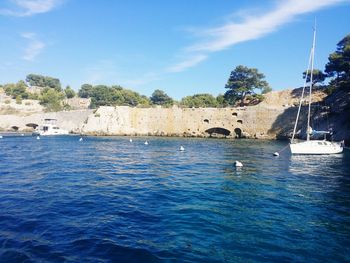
{"x": 81, "y": 139}
{"x": 1, "y": 137}
{"x": 130, "y": 140}
{"x": 182, "y": 148}
{"x": 276, "y": 154}
{"x": 146, "y": 142}
{"x": 38, "y": 137}
{"x": 22, "y": 134}
{"x": 238, "y": 164}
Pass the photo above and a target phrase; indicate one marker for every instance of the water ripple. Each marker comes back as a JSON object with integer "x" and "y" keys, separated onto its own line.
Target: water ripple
{"x": 108, "y": 200}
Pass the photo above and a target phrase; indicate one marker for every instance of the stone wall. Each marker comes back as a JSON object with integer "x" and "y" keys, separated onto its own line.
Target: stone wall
{"x": 270, "y": 119}
{"x": 253, "y": 121}
{"x": 69, "y": 120}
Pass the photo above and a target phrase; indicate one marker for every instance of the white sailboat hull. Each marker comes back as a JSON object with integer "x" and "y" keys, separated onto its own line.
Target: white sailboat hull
{"x": 316, "y": 147}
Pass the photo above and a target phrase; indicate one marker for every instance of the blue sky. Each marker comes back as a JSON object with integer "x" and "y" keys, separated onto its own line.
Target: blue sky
{"x": 183, "y": 47}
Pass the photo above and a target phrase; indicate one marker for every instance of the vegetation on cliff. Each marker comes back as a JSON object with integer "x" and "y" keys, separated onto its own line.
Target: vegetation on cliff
{"x": 102, "y": 95}
{"x": 244, "y": 81}
{"x": 200, "y": 100}
{"x": 43, "y": 81}
{"x": 159, "y": 97}
{"x": 338, "y": 66}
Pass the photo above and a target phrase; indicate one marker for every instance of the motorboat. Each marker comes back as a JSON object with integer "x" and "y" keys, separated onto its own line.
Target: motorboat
{"x": 49, "y": 127}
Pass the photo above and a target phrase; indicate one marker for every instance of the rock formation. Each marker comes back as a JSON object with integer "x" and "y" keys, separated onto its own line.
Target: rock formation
{"x": 273, "y": 118}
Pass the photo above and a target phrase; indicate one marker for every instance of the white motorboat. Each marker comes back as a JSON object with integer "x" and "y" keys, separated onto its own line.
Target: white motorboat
{"x": 312, "y": 146}
{"x": 49, "y": 127}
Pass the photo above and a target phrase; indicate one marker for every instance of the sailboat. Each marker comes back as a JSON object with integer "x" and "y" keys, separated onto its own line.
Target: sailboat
{"x": 312, "y": 146}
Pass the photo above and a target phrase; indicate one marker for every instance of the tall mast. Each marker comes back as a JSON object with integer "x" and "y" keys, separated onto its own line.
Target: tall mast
{"x": 301, "y": 100}
{"x": 308, "y": 129}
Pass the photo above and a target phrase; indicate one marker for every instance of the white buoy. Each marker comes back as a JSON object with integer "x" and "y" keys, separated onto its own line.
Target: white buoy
{"x": 130, "y": 140}
{"x": 182, "y": 148}
{"x": 81, "y": 139}
{"x": 22, "y": 134}
{"x": 238, "y": 164}
{"x": 1, "y": 137}
{"x": 38, "y": 137}
{"x": 276, "y": 154}
{"x": 146, "y": 142}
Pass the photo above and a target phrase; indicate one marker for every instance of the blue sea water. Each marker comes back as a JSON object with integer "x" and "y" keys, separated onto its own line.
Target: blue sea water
{"x": 105, "y": 199}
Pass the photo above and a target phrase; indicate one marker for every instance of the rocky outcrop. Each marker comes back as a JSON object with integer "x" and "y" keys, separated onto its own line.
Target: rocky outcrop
{"x": 327, "y": 113}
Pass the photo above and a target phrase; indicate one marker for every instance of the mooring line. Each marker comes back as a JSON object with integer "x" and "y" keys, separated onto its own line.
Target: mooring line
{"x": 283, "y": 148}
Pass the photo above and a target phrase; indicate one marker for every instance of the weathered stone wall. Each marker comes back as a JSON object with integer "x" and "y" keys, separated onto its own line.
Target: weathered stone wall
{"x": 69, "y": 120}
{"x": 253, "y": 121}
{"x": 272, "y": 118}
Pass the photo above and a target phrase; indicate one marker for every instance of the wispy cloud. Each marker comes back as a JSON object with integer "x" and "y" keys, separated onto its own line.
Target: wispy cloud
{"x": 30, "y": 7}
{"x": 34, "y": 46}
{"x": 187, "y": 63}
{"x": 251, "y": 26}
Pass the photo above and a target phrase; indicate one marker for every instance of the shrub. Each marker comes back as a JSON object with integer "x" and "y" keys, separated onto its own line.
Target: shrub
{"x": 19, "y": 99}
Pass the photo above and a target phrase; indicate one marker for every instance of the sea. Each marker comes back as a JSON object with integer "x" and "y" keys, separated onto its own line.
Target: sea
{"x": 106, "y": 199}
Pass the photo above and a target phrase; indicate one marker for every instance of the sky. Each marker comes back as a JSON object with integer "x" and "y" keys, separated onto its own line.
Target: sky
{"x": 182, "y": 47}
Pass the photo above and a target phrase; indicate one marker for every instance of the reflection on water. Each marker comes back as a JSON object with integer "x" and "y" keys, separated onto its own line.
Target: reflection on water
{"x": 106, "y": 199}
{"x": 315, "y": 165}
{"x": 326, "y": 171}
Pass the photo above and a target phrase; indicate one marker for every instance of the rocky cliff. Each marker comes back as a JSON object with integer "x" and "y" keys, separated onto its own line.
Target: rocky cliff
{"x": 273, "y": 118}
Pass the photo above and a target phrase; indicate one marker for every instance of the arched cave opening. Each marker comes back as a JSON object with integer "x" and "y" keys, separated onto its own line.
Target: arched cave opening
{"x": 32, "y": 125}
{"x": 234, "y": 114}
{"x": 238, "y": 133}
{"x": 240, "y": 121}
{"x": 218, "y": 132}
{"x": 206, "y": 120}
{"x": 15, "y": 128}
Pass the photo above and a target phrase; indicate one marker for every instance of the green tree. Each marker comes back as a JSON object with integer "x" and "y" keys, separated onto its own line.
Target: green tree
{"x": 317, "y": 76}
{"x": 51, "y": 99}
{"x": 199, "y": 100}
{"x": 35, "y": 80}
{"x": 70, "y": 93}
{"x": 102, "y": 95}
{"x": 8, "y": 88}
{"x": 266, "y": 89}
{"x": 159, "y": 97}
{"x": 53, "y": 83}
{"x": 18, "y": 99}
{"x": 221, "y": 102}
{"x": 43, "y": 81}
{"x": 85, "y": 91}
{"x": 144, "y": 101}
{"x": 130, "y": 97}
{"x": 243, "y": 81}
{"x": 338, "y": 66}
{"x": 18, "y": 89}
